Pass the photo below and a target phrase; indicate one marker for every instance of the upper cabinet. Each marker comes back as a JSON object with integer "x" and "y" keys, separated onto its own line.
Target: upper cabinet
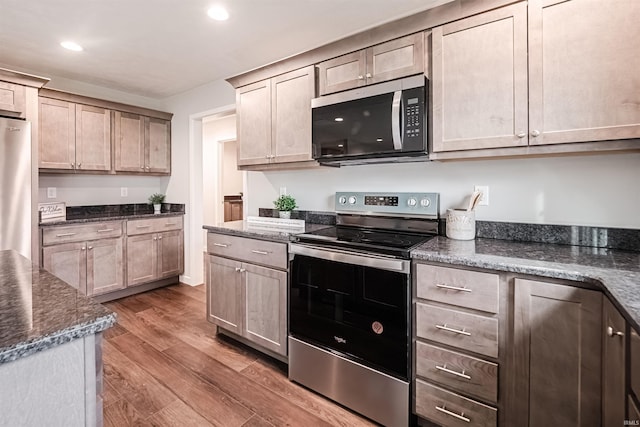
{"x": 274, "y": 119}
{"x": 386, "y": 61}
{"x": 142, "y": 144}
{"x": 564, "y": 73}
{"x": 82, "y": 134}
{"x": 12, "y": 99}
{"x": 74, "y": 136}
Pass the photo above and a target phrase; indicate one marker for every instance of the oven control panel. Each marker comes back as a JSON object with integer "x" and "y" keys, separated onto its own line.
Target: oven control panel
{"x": 412, "y": 204}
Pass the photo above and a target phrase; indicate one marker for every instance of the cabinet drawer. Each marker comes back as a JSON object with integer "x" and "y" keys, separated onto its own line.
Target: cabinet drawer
{"x": 153, "y": 225}
{"x": 449, "y": 409}
{"x": 79, "y": 233}
{"x": 464, "y": 288}
{"x": 634, "y": 356}
{"x": 463, "y": 373}
{"x": 467, "y": 331}
{"x": 251, "y": 250}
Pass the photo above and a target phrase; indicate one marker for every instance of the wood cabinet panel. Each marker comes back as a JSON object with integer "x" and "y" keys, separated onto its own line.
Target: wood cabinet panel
{"x": 13, "y": 99}
{"x": 142, "y": 259}
{"x": 341, "y": 73}
{"x": 462, "y": 373}
{"x": 105, "y": 266}
{"x": 154, "y": 225}
{"x": 613, "y": 366}
{"x": 67, "y": 262}
{"x": 253, "y": 107}
{"x": 57, "y": 143}
{"x": 129, "y": 142}
{"x": 291, "y": 96}
{"x": 158, "y": 145}
{"x": 80, "y": 232}
{"x": 634, "y": 357}
{"x": 170, "y": 253}
{"x": 265, "y": 309}
{"x": 583, "y": 79}
{"x": 464, "y": 288}
{"x": 224, "y": 293}
{"x": 450, "y": 409}
{"x": 557, "y": 363}
{"x": 480, "y": 81}
{"x": 271, "y": 254}
{"x": 458, "y": 329}
{"x": 396, "y": 58}
{"x": 93, "y": 138}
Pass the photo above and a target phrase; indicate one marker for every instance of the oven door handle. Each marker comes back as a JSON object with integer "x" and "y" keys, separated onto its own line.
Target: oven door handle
{"x": 347, "y": 257}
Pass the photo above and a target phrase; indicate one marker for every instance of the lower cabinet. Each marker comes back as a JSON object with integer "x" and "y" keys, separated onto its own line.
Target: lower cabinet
{"x": 613, "y": 365}
{"x": 247, "y": 299}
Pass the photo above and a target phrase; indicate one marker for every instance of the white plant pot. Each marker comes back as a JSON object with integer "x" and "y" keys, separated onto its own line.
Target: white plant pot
{"x": 156, "y": 208}
{"x": 285, "y": 214}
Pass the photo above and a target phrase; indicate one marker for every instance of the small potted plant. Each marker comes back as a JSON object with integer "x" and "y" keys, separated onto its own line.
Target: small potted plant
{"x": 285, "y": 204}
{"x": 156, "y": 200}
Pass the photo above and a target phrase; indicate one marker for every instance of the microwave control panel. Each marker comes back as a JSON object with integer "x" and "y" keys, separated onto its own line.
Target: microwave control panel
{"x": 414, "y": 113}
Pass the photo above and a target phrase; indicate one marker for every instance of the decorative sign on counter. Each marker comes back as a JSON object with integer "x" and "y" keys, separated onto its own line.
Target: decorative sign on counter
{"x": 52, "y": 212}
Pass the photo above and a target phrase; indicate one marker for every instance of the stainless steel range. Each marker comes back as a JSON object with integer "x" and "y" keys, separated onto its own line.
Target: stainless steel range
{"x": 350, "y": 302}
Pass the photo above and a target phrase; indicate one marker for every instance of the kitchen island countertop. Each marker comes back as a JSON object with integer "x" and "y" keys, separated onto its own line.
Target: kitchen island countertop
{"x": 244, "y": 229}
{"x": 39, "y": 311}
{"x": 615, "y": 272}
{"x": 112, "y": 217}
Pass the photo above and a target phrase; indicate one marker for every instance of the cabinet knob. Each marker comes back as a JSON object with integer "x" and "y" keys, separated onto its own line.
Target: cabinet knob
{"x": 90, "y": 247}
{"x": 535, "y": 133}
{"x": 155, "y": 238}
{"x": 79, "y": 164}
{"x": 368, "y": 75}
{"x": 83, "y": 248}
{"x": 141, "y": 167}
{"x": 237, "y": 269}
{"x": 242, "y": 270}
{"x": 522, "y": 134}
{"x": 159, "y": 237}
{"x": 612, "y": 333}
{"x": 360, "y": 77}
{"x": 73, "y": 165}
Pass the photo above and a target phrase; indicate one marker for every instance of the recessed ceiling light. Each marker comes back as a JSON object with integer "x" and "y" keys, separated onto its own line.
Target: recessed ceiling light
{"x": 218, "y": 13}
{"x": 71, "y": 46}
{"x": 338, "y": 119}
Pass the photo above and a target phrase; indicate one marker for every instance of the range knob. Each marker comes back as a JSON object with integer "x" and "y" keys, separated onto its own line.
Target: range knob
{"x": 412, "y": 201}
{"x": 342, "y": 200}
{"x": 425, "y": 202}
{"x": 352, "y": 200}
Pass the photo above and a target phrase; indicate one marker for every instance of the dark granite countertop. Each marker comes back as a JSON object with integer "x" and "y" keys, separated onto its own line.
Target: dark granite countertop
{"x": 39, "y": 311}
{"x": 106, "y": 217}
{"x": 244, "y": 229}
{"x": 615, "y": 272}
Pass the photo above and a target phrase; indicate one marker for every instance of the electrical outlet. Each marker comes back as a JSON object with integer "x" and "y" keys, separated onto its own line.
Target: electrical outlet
{"x": 124, "y": 191}
{"x": 484, "y": 199}
{"x": 283, "y": 191}
{"x": 52, "y": 192}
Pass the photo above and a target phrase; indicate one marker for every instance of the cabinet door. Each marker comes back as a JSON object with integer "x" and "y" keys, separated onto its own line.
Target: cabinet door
{"x": 224, "y": 293}
{"x": 93, "y": 138}
{"x": 105, "y": 266}
{"x": 265, "y": 307}
{"x": 342, "y": 73}
{"x": 253, "y": 106}
{"x": 396, "y": 58}
{"x": 57, "y": 124}
{"x": 291, "y": 95}
{"x": 613, "y": 366}
{"x": 158, "y": 135}
{"x": 480, "y": 81}
{"x": 142, "y": 259}
{"x": 557, "y": 347}
{"x": 129, "y": 142}
{"x": 583, "y": 70}
{"x": 170, "y": 254}
{"x": 68, "y": 262}
{"x": 12, "y": 99}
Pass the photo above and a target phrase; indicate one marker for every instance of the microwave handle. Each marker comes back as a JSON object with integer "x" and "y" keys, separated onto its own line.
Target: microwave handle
{"x": 396, "y": 128}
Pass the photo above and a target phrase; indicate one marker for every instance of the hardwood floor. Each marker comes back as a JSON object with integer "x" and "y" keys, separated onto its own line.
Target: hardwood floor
{"x": 164, "y": 366}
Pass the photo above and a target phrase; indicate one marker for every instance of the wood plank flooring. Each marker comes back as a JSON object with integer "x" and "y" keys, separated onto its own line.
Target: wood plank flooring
{"x": 164, "y": 366}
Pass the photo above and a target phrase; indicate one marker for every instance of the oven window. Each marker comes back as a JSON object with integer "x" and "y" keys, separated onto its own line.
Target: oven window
{"x": 362, "y": 312}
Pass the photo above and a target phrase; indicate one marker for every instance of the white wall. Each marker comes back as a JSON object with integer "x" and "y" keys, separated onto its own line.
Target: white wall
{"x": 78, "y": 190}
{"x": 598, "y": 190}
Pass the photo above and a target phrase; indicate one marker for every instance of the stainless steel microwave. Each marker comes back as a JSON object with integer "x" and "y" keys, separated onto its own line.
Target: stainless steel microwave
{"x": 386, "y": 122}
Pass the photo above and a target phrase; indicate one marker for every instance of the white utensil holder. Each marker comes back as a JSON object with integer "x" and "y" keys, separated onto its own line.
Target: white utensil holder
{"x": 461, "y": 224}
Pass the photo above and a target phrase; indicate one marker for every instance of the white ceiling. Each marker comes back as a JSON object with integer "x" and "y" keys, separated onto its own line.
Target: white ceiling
{"x": 159, "y": 48}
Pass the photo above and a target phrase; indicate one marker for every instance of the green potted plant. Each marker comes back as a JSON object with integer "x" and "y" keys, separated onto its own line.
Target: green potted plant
{"x": 285, "y": 204}
{"x": 156, "y": 199}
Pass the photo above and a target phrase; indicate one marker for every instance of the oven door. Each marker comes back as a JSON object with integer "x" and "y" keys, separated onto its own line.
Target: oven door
{"x": 353, "y": 304}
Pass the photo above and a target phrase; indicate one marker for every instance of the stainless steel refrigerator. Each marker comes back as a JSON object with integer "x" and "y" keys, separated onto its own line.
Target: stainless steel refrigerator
{"x": 15, "y": 185}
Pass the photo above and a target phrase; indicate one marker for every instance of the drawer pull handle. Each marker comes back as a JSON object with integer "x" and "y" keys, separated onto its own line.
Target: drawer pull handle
{"x": 452, "y": 372}
{"x": 457, "y": 331}
{"x": 453, "y": 288}
{"x": 169, "y": 223}
{"x": 460, "y": 416}
{"x": 240, "y": 270}
{"x": 260, "y": 252}
{"x": 65, "y": 234}
{"x": 143, "y": 226}
{"x": 106, "y": 230}
{"x": 222, "y": 245}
